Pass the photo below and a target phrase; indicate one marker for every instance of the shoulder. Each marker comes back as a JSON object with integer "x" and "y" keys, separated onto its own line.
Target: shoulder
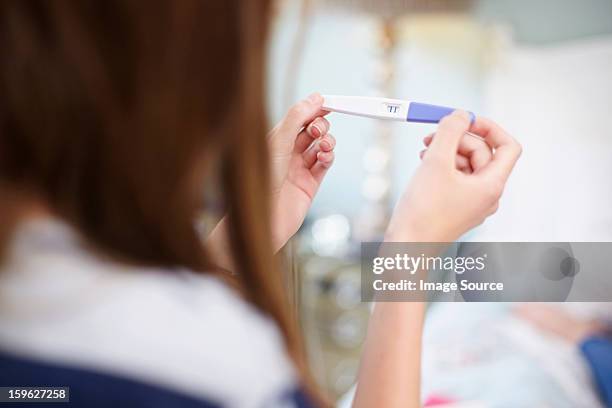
{"x": 220, "y": 341}
{"x": 186, "y": 331}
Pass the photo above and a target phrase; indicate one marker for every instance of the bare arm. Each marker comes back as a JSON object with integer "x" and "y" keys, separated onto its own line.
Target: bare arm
{"x": 457, "y": 186}
{"x": 389, "y": 375}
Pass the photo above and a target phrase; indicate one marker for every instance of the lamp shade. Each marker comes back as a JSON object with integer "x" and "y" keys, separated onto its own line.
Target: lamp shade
{"x": 391, "y": 8}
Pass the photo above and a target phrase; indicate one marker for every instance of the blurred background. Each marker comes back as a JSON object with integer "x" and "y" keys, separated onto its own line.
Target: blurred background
{"x": 540, "y": 68}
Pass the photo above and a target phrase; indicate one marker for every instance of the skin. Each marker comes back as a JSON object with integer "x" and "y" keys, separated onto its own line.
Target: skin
{"x": 457, "y": 186}
{"x": 301, "y": 153}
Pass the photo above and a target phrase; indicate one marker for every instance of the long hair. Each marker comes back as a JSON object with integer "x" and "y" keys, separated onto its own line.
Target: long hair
{"x": 116, "y": 111}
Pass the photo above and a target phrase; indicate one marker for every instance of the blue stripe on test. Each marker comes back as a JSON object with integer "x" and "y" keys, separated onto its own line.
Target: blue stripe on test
{"x": 426, "y": 113}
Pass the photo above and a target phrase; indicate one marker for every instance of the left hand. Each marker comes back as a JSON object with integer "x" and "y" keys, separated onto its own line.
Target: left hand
{"x": 473, "y": 153}
{"x": 459, "y": 183}
{"x": 301, "y": 153}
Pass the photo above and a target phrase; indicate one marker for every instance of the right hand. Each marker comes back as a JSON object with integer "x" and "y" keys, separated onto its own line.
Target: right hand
{"x": 444, "y": 200}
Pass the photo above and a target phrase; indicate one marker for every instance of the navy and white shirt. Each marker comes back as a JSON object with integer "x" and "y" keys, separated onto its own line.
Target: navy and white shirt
{"x": 126, "y": 336}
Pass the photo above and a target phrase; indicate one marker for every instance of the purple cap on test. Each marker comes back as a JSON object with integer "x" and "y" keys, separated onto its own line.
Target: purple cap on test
{"x": 425, "y": 113}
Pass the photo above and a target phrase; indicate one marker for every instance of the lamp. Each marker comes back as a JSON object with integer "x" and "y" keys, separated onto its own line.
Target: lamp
{"x": 376, "y": 187}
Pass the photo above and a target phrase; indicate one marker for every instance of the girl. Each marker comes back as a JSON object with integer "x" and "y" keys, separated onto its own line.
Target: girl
{"x": 114, "y": 117}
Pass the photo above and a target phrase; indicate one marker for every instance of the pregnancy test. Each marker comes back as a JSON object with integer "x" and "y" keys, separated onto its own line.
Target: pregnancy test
{"x": 388, "y": 109}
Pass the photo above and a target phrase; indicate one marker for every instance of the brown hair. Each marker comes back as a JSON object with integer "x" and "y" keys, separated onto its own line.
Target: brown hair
{"x": 108, "y": 108}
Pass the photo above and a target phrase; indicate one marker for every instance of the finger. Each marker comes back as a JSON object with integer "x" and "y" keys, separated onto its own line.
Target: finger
{"x": 473, "y": 147}
{"x": 283, "y": 137}
{"x": 316, "y": 129}
{"x": 324, "y": 145}
{"x": 303, "y": 141}
{"x": 325, "y": 158}
{"x": 462, "y": 163}
{"x": 444, "y": 146}
{"x": 493, "y": 209}
{"x": 320, "y": 168}
{"x": 476, "y": 149}
{"x": 467, "y": 137}
{"x": 310, "y": 155}
{"x": 327, "y": 143}
{"x": 507, "y": 149}
{"x": 301, "y": 114}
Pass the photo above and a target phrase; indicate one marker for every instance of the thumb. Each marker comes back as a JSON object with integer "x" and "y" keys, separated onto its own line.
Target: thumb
{"x": 446, "y": 141}
{"x": 300, "y": 114}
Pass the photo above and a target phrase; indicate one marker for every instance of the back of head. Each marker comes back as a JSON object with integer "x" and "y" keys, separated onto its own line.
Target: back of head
{"x": 114, "y": 112}
{"x": 107, "y": 109}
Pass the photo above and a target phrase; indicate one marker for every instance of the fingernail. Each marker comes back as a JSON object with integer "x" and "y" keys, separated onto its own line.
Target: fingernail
{"x": 315, "y": 131}
{"x": 325, "y": 145}
{"x": 464, "y": 114}
{"x": 314, "y": 98}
